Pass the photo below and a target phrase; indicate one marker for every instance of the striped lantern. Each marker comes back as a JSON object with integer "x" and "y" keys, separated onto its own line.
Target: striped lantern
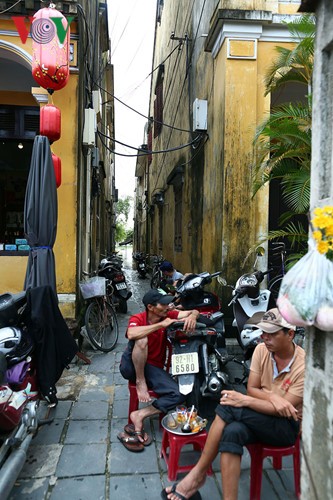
{"x": 50, "y": 55}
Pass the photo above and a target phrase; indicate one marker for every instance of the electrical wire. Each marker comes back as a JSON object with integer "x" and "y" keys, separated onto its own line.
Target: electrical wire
{"x": 149, "y": 152}
{"x": 138, "y": 112}
{"x": 10, "y": 8}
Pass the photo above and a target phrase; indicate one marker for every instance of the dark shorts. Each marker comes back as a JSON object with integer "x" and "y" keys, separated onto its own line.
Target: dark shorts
{"x": 246, "y": 426}
{"x": 157, "y": 379}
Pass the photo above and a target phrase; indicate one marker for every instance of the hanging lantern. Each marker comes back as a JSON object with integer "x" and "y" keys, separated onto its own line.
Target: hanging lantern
{"x": 50, "y": 122}
{"x": 57, "y": 168}
{"x": 50, "y": 49}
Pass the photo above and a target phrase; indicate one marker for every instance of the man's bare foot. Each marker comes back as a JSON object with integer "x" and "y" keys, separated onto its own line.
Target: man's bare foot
{"x": 142, "y": 391}
{"x": 189, "y": 485}
{"x": 137, "y": 420}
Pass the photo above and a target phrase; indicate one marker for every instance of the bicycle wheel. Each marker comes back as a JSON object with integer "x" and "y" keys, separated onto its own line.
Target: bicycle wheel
{"x": 156, "y": 280}
{"x": 102, "y": 324}
{"x": 274, "y": 287}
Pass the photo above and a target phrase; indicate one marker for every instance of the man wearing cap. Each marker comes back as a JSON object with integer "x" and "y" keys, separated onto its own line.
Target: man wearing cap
{"x": 170, "y": 274}
{"x": 270, "y": 412}
{"x": 144, "y": 357}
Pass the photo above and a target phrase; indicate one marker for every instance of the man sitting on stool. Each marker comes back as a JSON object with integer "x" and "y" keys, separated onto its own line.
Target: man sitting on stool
{"x": 270, "y": 413}
{"x": 144, "y": 357}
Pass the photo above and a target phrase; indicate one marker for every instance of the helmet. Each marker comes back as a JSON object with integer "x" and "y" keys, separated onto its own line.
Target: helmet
{"x": 250, "y": 336}
{"x": 15, "y": 344}
{"x": 10, "y": 337}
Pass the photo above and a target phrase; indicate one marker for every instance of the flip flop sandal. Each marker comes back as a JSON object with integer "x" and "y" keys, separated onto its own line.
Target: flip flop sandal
{"x": 164, "y": 494}
{"x": 130, "y": 430}
{"x": 131, "y": 443}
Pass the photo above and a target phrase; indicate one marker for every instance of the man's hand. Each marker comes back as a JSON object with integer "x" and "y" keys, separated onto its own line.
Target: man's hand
{"x": 190, "y": 323}
{"x": 283, "y": 407}
{"x": 233, "y": 398}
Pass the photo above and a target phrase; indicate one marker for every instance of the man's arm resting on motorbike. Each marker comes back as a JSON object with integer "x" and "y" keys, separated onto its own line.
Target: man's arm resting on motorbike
{"x": 190, "y": 317}
{"x": 269, "y": 402}
{"x": 140, "y": 332}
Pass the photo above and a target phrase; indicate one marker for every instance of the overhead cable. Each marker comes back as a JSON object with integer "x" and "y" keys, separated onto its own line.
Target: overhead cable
{"x": 149, "y": 152}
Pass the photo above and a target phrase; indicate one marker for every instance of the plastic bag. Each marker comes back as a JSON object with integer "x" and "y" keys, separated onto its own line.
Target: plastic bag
{"x": 92, "y": 287}
{"x": 306, "y": 292}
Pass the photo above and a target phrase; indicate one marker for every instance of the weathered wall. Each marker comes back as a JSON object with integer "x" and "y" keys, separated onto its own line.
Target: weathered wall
{"x": 317, "y": 463}
{"x": 219, "y": 218}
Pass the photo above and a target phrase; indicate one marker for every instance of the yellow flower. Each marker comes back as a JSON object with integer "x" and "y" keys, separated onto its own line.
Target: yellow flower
{"x": 317, "y": 235}
{"x": 322, "y": 247}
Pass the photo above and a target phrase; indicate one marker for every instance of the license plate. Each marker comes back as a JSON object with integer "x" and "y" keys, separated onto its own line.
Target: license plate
{"x": 184, "y": 363}
{"x": 121, "y": 286}
{"x": 141, "y": 266}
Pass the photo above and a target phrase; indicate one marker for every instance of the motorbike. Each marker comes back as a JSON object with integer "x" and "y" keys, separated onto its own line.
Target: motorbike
{"x": 190, "y": 294}
{"x": 19, "y": 396}
{"x": 198, "y": 361}
{"x": 33, "y": 354}
{"x": 116, "y": 284}
{"x": 141, "y": 264}
{"x": 249, "y": 303}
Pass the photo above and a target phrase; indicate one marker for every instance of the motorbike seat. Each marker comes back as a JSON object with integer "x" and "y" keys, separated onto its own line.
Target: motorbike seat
{"x": 180, "y": 325}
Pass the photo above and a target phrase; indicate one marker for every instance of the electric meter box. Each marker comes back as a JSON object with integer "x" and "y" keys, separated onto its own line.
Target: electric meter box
{"x": 89, "y": 128}
{"x": 199, "y": 114}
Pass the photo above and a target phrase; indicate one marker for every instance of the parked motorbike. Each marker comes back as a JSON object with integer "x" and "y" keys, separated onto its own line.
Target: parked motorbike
{"x": 141, "y": 264}
{"x": 249, "y": 303}
{"x": 35, "y": 347}
{"x": 117, "y": 287}
{"x": 19, "y": 395}
{"x": 190, "y": 294}
{"x": 198, "y": 360}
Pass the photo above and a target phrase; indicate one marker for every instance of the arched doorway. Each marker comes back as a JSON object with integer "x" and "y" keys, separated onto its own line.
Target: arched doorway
{"x": 19, "y": 123}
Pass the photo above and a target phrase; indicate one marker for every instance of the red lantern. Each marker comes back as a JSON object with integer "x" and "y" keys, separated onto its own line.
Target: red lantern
{"x": 50, "y": 122}
{"x": 50, "y": 54}
{"x": 57, "y": 168}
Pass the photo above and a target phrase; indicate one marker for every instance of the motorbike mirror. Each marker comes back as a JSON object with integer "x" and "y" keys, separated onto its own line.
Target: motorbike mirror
{"x": 221, "y": 281}
{"x": 260, "y": 251}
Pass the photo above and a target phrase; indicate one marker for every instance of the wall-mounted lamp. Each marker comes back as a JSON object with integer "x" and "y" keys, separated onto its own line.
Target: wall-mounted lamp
{"x": 20, "y": 145}
{"x": 158, "y": 198}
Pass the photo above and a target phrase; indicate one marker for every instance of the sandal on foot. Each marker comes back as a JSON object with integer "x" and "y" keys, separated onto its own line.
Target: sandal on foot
{"x": 130, "y": 430}
{"x": 131, "y": 443}
{"x": 164, "y": 494}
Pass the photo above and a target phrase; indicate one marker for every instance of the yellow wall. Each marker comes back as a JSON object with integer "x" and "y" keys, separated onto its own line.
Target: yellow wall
{"x": 12, "y": 269}
{"x": 221, "y": 221}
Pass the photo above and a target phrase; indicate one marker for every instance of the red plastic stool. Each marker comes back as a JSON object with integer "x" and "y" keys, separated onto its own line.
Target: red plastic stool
{"x": 134, "y": 400}
{"x": 175, "y": 443}
{"x": 259, "y": 451}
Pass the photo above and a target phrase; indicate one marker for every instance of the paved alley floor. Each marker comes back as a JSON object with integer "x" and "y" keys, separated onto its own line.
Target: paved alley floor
{"x": 78, "y": 455}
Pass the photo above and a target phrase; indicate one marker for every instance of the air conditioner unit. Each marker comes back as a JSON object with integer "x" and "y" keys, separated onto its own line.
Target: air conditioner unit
{"x": 89, "y": 128}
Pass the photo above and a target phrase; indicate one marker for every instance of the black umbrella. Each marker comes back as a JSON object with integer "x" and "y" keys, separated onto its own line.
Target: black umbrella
{"x": 40, "y": 216}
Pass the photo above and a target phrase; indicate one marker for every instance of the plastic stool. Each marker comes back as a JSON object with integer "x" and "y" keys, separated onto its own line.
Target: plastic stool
{"x": 175, "y": 443}
{"x": 134, "y": 400}
{"x": 259, "y": 451}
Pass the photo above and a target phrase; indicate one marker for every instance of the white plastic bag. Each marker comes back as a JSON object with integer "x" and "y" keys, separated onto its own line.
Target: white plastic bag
{"x": 92, "y": 287}
{"x": 306, "y": 292}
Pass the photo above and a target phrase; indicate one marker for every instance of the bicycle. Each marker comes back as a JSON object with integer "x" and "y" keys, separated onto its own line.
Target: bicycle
{"x": 100, "y": 317}
{"x": 275, "y": 283}
{"x": 157, "y": 275}
{"x": 279, "y": 248}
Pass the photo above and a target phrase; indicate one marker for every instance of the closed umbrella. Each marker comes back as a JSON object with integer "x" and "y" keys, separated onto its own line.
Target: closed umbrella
{"x": 40, "y": 216}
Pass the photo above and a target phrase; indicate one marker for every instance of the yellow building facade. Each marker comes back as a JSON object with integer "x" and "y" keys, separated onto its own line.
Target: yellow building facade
{"x": 207, "y": 98}
{"x": 84, "y": 227}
